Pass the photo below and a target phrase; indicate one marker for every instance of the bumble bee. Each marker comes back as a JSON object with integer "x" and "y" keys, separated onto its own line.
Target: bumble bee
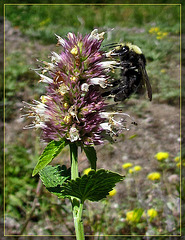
{"x": 133, "y": 76}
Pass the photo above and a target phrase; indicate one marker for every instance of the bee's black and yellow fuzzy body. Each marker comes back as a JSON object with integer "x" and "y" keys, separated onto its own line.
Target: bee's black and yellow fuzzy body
{"x": 133, "y": 77}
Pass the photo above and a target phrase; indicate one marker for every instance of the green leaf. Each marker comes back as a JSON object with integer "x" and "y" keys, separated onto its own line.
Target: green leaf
{"x": 91, "y": 155}
{"x": 137, "y": 214}
{"x": 94, "y": 186}
{"x": 49, "y": 153}
{"x": 54, "y": 177}
{"x": 133, "y": 136}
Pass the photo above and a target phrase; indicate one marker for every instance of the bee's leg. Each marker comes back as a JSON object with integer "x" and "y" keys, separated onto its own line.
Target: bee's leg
{"x": 121, "y": 96}
{"x": 120, "y": 53}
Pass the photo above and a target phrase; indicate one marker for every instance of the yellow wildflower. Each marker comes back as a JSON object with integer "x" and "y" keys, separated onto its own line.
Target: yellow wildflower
{"x": 159, "y": 37}
{"x": 161, "y": 156}
{"x": 154, "y": 30}
{"x": 177, "y": 159}
{"x": 159, "y": 33}
{"x": 165, "y": 34}
{"x": 127, "y": 165}
{"x": 152, "y": 213}
{"x": 154, "y": 176}
{"x": 129, "y": 216}
{"x": 162, "y": 35}
{"x": 87, "y": 170}
{"x": 113, "y": 192}
{"x": 163, "y": 70}
{"x": 137, "y": 168}
{"x": 178, "y": 164}
{"x": 134, "y": 216}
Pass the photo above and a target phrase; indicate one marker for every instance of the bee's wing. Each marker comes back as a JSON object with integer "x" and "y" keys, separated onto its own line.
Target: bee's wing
{"x": 146, "y": 81}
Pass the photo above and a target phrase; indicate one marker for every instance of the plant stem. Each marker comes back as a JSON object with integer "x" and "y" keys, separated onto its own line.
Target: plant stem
{"x": 77, "y": 206}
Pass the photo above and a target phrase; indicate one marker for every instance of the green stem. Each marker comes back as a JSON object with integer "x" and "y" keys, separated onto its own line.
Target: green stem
{"x": 77, "y": 206}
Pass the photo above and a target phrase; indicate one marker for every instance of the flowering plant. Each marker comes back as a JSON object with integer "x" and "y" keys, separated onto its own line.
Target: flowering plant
{"x": 74, "y": 112}
{"x": 160, "y": 156}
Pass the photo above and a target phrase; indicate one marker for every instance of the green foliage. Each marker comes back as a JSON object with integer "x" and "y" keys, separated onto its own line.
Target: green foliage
{"x": 50, "y": 152}
{"x": 19, "y": 79}
{"x": 91, "y": 155}
{"x": 20, "y": 190}
{"x": 19, "y": 183}
{"x": 137, "y": 213}
{"x": 14, "y": 71}
{"x": 94, "y": 186}
{"x": 41, "y": 22}
{"x": 54, "y": 177}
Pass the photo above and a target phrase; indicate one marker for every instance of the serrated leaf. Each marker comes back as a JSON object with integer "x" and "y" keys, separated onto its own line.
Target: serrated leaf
{"x": 94, "y": 186}
{"x": 49, "y": 153}
{"x": 54, "y": 177}
{"x": 91, "y": 155}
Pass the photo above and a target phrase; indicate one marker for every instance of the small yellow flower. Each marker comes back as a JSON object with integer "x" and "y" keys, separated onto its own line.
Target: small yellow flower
{"x": 113, "y": 192}
{"x": 178, "y": 164}
{"x": 127, "y": 165}
{"x": 159, "y": 37}
{"x": 137, "y": 168}
{"x": 87, "y": 170}
{"x": 161, "y": 156}
{"x": 154, "y": 30}
{"x": 165, "y": 34}
{"x": 177, "y": 159}
{"x": 160, "y": 33}
{"x": 129, "y": 216}
{"x": 154, "y": 176}
{"x": 163, "y": 70}
{"x": 133, "y": 216}
{"x": 152, "y": 213}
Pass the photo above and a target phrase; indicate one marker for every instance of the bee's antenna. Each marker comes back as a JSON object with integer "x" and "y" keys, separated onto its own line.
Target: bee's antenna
{"x": 110, "y": 44}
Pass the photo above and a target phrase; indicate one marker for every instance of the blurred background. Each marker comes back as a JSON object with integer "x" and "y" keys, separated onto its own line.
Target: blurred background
{"x": 147, "y": 202}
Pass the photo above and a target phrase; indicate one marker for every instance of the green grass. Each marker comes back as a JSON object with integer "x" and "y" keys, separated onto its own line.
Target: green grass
{"x": 41, "y": 22}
